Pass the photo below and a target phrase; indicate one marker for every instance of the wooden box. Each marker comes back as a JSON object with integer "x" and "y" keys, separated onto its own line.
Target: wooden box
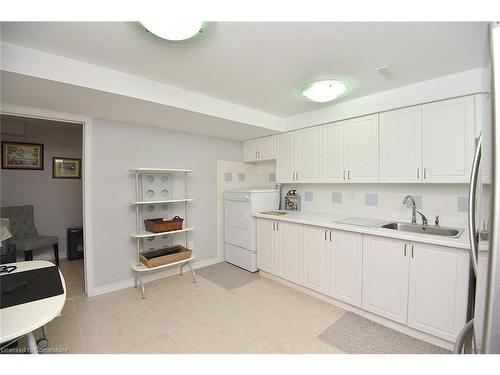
{"x": 181, "y": 254}
{"x": 159, "y": 225}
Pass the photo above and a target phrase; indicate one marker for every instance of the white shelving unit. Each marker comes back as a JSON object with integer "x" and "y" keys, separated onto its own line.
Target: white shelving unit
{"x": 154, "y": 197}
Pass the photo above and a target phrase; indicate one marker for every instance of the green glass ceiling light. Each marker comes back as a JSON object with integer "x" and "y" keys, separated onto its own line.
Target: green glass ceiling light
{"x": 324, "y": 91}
{"x": 176, "y": 33}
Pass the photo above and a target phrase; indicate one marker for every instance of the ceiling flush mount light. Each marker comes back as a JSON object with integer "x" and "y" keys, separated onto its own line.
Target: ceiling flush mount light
{"x": 176, "y": 33}
{"x": 324, "y": 91}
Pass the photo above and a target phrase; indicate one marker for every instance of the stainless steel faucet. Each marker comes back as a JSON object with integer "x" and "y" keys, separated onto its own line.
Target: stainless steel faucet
{"x": 424, "y": 219}
{"x": 414, "y": 211}
{"x": 413, "y": 208}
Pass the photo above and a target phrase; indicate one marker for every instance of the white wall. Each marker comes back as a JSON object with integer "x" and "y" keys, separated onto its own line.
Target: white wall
{"x": 57, "y": 202}
{"x": 449, "y": 201}
{"x": 117, "y": 147}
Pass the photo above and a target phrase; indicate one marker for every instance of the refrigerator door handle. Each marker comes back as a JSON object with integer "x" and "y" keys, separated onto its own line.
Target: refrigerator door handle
{"x": 472, "y": 205}
{"x": 462, "y": 337}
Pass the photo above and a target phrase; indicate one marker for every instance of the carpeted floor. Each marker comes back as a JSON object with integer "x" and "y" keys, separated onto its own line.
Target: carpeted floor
{"x": 355, "y": 334}
{"x": 227, "y": 276}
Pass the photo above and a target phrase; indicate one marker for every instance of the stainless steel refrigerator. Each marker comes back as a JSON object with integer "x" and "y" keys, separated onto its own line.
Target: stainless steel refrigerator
{"x": 481, "y": 334}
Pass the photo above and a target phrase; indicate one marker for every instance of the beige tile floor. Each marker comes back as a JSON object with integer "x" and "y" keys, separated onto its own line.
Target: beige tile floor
{"x": 72, "y": 271}
{"x": 181, "y": 317}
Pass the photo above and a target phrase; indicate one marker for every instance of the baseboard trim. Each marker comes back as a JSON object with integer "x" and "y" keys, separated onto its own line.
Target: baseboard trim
{"x": 368, "y": 315}
{"x": 42, "y": 256}
{"x": 108, "y": 288}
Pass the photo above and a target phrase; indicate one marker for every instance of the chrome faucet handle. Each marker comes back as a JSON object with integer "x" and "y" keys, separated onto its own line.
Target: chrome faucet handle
{"x": 424, "y": 219}
{"x": 436, "y": 221}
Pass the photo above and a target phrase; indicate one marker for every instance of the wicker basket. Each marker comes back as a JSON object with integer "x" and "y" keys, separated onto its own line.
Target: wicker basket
{"x": 159, "y": 225}
{"x": 183, "y": 253}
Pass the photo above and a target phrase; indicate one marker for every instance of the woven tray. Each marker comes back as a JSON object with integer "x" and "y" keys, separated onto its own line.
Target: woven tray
{"x": 159, "y": 225}
{"x": 183, "y": 253}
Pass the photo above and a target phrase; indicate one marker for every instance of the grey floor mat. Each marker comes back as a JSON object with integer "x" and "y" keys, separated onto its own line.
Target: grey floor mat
{"x": 227, "y": 276}
{"x": 357, "y": 335}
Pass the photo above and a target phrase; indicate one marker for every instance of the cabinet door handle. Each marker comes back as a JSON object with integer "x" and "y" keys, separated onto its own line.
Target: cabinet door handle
{"x": 344, "y": 174}
{"x": 297, "y": 176}
{"x": 348, "y": 174}
{"x": 418, "y": 173}
{"x": 278, "y": 226}
{"x": 325, "y": 234}
{"x": 255, "y": 154}
{"x": 412, "y": 246}
{"x": 274, "y": 226}
{"x": 331, "y": 236}
{"x": 425, "y": 173}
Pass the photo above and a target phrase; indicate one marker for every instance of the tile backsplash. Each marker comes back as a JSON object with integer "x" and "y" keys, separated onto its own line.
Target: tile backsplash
{"x": 383, "y": 201}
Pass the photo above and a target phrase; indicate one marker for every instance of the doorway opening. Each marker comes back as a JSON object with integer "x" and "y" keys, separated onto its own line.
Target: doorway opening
{"x": 41, "y": 194}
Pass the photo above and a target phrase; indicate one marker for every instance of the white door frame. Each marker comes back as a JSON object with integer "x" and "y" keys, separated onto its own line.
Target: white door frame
{"x": 86, "y": 122}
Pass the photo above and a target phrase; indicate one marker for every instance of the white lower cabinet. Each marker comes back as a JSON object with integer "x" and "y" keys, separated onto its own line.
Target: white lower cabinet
{"x": 266, "y": 245}
{"x": 279, "y": 248}
{"x": 385, "y": 277}
{"x": 346, "y": 267}
{"x": 438, "y": 288}
{"x": 289, "y": 251}
{"x": 419, "y": 285}
{"x": 316, "y": 258}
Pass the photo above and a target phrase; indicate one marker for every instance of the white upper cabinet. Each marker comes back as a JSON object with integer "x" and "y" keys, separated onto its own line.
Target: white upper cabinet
{"x": 299, "y": 156}
{"x": 448, "y": 140}
{"x": 431, "y": 143}
{"x": 259, "y": 149}
{"x": 308, "y": 153}
{"x": 350, "y": 150}
{"x": 250, "y": 150}
{"x": 334, "y": 151}
{"x": 400, "y": 134}
{"x": 285, "y": 163}
{"x": 363, "y": 149}
{"x": 385, "y": 277}
{"x": 438, "y": 290}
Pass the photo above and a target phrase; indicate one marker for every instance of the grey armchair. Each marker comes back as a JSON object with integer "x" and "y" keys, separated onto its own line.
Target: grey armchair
{"x": 24, "y": 234}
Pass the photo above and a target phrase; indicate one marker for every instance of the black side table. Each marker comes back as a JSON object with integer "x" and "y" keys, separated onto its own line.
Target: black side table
{"x": 74, "y": 237}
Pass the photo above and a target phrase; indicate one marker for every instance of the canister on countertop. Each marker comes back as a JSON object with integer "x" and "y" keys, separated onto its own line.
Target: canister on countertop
{"x": 292, "y": 200}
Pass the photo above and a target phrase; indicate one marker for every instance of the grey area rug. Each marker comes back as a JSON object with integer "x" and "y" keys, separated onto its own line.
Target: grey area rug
{"x": 227, "y": 276}
{"x": 357, "y": 335}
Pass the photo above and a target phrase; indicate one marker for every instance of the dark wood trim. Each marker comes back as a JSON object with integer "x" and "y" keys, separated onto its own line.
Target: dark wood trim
{"x": 22, "y": 168}
{"x": 64, "y": 158}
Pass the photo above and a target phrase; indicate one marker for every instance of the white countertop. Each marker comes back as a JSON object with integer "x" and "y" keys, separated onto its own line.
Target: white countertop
{"x": 330, "y": 221}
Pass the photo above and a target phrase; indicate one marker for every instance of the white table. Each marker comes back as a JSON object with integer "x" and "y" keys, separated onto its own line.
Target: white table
{"x": 24, "y": 319}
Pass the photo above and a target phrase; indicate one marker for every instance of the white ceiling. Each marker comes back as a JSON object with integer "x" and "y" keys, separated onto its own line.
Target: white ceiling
{"x": 260, "y": 65}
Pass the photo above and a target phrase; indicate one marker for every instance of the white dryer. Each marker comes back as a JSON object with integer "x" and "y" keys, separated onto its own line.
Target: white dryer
{"x": 240, "y": 229}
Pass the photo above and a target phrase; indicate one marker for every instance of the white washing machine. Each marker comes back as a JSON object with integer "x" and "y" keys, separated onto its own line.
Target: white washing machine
{"x": 240, "y": 234}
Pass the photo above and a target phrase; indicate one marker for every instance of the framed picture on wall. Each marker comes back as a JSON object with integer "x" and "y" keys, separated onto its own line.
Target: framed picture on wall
{"x": 18, "y": 155}
{"x": 66, "y": 167}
